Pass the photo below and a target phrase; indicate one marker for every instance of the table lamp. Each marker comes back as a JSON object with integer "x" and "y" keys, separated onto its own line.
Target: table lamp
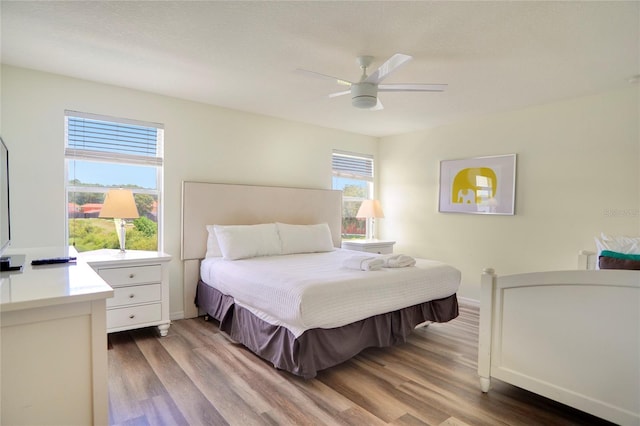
{"x": 119, "y": 205}
{"x": 370, "y": 209}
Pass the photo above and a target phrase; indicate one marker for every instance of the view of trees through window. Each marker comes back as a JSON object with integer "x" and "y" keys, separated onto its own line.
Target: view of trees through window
{"x": 87, "y": 231}
{"x": 102, "y": 153}
{"x": 353, "y": 175}
{"x": 354, "y": 191}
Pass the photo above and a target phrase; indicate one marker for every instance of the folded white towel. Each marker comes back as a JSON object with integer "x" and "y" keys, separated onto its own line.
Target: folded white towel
{"x": 364, "y": 263}
{"x": 398, "y": 261}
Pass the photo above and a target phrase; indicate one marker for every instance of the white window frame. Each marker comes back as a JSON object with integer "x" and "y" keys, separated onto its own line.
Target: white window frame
{"x": 156, "y": 161}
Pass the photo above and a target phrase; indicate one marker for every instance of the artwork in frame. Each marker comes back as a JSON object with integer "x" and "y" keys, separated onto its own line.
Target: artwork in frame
{"x": 481, "y": 185}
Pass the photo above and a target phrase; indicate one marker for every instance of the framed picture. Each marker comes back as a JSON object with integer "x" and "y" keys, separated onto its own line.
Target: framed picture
{"x": 481, "y": 185}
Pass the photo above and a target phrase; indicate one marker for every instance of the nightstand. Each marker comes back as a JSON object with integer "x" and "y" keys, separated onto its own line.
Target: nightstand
{"x": 140, "y": 280}
{"x": 370, "y": 246}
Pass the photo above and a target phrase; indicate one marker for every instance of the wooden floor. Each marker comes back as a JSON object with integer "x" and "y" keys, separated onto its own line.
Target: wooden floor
{"x": 196, "y": 376}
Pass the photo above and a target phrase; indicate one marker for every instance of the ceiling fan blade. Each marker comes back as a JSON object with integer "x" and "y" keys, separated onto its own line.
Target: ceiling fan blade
{"x": 336, "y": 94}
{"x": 324, "y": 76}
{"x": 392, "y": 64}
{"x": 411, "y": 87}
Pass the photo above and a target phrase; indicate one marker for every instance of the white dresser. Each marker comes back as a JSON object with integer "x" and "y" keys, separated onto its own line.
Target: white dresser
{"x": 370, "y": 246}
{"x": 141, "y": 287}
{"x": 53, "y": 344}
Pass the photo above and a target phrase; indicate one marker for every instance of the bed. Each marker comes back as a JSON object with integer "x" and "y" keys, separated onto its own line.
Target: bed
{"x": 571, "y": 336}
{"x": 303, "y": 309}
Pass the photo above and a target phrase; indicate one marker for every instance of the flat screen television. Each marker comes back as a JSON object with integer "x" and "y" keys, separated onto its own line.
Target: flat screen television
{"x": 5, "y": 224}
{"x": 7, "y": 263}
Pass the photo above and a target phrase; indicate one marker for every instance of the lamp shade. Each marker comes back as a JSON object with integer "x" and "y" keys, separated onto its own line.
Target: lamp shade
{"x": 369, "y": 209}
{"x": 119, "y": 203}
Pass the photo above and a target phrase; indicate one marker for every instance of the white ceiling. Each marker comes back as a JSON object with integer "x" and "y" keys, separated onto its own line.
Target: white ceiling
{"x": 494, "y": 56}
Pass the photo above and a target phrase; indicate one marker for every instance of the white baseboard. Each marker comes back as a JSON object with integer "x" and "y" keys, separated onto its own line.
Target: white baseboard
{"x": 467, "y": 301}
{"x": 176, "y": 315}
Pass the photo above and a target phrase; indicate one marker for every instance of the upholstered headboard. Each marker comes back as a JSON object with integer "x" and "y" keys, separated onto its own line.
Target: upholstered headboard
{"x": 228, "y": 204}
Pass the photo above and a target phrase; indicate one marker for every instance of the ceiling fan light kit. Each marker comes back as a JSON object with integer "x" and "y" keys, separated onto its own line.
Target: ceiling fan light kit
{"x": 364, "y": 93}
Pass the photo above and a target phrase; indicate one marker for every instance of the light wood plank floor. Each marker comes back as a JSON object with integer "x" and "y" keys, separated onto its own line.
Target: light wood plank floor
{"x": 196, "y": 376}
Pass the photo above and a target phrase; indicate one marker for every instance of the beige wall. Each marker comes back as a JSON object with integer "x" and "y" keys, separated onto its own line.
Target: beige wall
{"x": 577, "y": 161}
{"x": 577, "y": 175}
{"x": 202, "y": 143}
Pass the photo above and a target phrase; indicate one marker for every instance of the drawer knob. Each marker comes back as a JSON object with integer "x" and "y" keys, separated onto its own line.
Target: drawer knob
{"x": 131, "y": 296}
{"x": 132, "y": 316}
{"x": 131, "y": 275}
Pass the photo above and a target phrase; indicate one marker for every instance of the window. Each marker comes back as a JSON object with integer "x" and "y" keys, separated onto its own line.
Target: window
{"x": 353, "y": 175}
{"x": 103, "y": 153}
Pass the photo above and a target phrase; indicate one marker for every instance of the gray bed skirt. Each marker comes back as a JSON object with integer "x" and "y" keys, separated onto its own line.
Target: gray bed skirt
{"x": 318, "y": 348}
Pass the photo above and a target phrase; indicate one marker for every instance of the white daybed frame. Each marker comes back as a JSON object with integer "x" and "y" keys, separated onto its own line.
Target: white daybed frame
{"x": 571, "y": 336}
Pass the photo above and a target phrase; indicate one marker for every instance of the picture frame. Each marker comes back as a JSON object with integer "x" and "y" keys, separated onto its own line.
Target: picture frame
{"x": 480, "y": 185}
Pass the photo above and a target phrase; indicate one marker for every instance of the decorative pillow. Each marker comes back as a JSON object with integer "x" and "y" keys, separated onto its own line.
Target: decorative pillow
{"x": 613, "y": 260}
{"x": 244, "y": 241}
{"x": 618, "y": 244}
{"x": 213, "y": 249}
{"x": 305, "y": 238}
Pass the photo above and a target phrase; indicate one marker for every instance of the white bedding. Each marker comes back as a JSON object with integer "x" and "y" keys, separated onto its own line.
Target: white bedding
{"x": 315, "y": 290}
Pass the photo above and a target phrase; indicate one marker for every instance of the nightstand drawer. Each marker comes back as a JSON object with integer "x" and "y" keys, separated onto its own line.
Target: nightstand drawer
{"x": 128, "y": 316}
{"x": 131, "y": 275}
{"x": 369, "y": 246}
{"x": 135, "y": 294}
{"x": 379, "y": 250}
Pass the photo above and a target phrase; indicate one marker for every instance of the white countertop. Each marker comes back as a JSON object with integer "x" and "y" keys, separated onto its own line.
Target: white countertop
{"x": 46, "y": 285}
{"x": 106, "y": 256}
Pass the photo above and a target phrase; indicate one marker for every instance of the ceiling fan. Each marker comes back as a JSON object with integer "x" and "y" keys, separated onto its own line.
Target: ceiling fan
{"x": 364, "y": 93}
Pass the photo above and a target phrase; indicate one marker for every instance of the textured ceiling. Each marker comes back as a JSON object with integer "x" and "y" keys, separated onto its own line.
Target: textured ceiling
{"x": 494, "y": 56}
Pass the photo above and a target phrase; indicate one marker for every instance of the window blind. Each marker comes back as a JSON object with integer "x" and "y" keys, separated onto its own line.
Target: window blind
{"x": 91, "y": 137}
{"x": 353, "y": 166}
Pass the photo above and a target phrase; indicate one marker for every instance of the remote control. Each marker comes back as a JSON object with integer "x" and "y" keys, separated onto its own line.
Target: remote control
{"x": 53, "y": 260}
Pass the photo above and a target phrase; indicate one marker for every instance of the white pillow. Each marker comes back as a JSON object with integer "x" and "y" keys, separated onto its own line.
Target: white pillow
{"x": 620, "y": 244}
{"x": 244, "y": 241}
{"x": 305, "y": 238}
{"x": 213, "y": 249}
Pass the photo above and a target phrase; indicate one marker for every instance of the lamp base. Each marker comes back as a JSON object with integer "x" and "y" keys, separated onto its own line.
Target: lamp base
{"x": 370, "y": 229}
{"x": 121, "y": 232}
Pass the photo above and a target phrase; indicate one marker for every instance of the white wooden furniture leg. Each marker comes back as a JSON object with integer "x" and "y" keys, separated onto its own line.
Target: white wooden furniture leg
{"x": 163, "y": 329}
{"x": 485, "y": 332}
{"x": 485, "y": 384}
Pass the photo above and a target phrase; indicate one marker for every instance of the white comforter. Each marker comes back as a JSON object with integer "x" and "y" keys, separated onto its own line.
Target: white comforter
{"x": 305, "y": 291}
